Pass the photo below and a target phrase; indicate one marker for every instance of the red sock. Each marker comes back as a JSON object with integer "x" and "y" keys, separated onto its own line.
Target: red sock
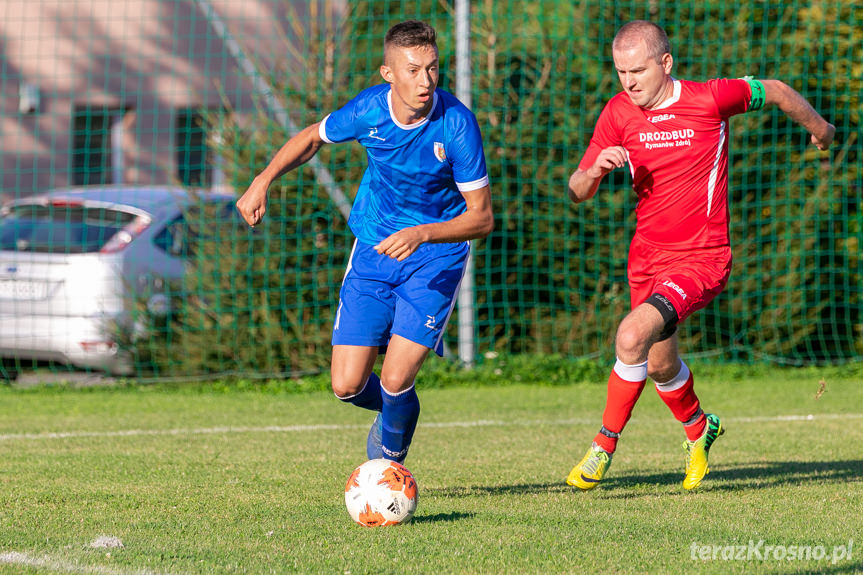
{"x": 624, "y": 387}
{"x": 679, "y": 395}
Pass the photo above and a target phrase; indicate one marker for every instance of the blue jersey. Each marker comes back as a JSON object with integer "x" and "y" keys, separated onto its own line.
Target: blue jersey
{"x": 416, "y": 172}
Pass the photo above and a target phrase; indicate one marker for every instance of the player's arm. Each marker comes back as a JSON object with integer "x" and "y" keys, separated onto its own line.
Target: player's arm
{"x": 798, "y": 109}
{"x": 476, "y": 222}
{"x": 584, "y": 183}
{"x": 296, "y": 152}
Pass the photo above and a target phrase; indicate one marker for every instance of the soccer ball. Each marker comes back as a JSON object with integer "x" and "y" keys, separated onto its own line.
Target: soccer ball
{"x": 381, "y": 492}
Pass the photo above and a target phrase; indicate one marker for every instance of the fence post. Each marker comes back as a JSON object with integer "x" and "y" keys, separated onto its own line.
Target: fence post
{"x": 466, "y": 331}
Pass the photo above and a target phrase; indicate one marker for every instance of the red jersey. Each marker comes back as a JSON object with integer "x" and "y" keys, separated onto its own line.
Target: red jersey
{"x": 678, "y": 157}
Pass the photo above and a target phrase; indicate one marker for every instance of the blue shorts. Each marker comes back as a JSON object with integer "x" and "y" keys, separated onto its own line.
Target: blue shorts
{"x": 414, "y": 298}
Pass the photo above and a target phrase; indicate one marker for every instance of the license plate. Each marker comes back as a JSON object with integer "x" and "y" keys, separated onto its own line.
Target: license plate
{"x": 23, "y": 289}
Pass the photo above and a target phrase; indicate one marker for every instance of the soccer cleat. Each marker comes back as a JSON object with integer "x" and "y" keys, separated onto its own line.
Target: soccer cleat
{"x": 374, "y": 449}
{"x": 589, "y": 471}
{"x": 696, "y": 452}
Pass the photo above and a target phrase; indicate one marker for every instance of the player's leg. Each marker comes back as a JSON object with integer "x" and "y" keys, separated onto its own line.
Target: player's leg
{"x": 687, "y": 287}
{"x": 362, "y": 325}
{"x": 401, "y": 406}
{"x": 636, "y": 333}
{"x": 354, "y": 382}
{"x": 676, "y": 387}
{"x": 424, "y": 303}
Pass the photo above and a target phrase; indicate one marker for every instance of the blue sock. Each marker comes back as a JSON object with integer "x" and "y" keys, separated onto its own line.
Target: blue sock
{"x": 369, "y": 397}
{"x": 400, "y": 414}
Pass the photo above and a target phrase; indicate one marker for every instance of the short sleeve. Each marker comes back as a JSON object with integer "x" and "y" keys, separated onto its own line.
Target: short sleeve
{"x": 340, "y": 126}
{"x": 605, "y": 135}
{"x": 468, "y": 155}
{"x": 732, "y": 96}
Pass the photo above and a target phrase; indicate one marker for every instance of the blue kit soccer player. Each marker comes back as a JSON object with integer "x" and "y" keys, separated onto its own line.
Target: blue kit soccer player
{"x": 424, "y": 195}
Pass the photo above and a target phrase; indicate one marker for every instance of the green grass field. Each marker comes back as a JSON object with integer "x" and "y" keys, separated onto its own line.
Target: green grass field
{"x": 196, "y": 479}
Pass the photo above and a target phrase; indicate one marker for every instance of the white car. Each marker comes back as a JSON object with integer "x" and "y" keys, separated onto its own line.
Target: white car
{"x": 72, "y": 260}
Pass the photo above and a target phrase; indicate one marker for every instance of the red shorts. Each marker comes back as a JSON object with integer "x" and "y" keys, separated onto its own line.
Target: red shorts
{"x": 689, "y": 279}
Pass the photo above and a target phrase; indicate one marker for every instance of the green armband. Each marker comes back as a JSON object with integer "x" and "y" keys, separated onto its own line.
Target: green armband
{"x": 757, "y": 100}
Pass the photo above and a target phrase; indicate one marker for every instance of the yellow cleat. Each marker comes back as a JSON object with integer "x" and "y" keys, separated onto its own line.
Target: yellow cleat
{"x": 589, "y": 471}
{"x": 696, "y": 452}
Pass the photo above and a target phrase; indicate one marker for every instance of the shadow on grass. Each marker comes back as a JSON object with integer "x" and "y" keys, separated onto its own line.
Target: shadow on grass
{"x": 754, "y": 475}
{"x": 441, "y": 517}
{"x": 728, "y": 478}
{"x": 793, "y": 471}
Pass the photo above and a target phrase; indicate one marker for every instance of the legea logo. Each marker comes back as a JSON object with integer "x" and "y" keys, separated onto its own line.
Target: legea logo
{"x": 675, "y": 287}
{"x": 661, "y": 118}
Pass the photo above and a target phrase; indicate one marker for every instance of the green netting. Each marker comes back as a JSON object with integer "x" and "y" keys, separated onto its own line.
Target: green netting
{"x": 203, "y": 92}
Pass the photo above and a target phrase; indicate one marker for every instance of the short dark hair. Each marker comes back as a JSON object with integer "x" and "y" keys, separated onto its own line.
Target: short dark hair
{"x": 652, "y": 34}
{"x": 410, "y": 34}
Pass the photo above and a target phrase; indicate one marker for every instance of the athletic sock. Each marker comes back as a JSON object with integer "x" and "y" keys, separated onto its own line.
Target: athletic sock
{"x": 400, "y": 414}
{"x": 624, "y": 388}
{"x": 679, "y": 395}
{"x": 695, "y": 425}
{"x": 370, "y": 395}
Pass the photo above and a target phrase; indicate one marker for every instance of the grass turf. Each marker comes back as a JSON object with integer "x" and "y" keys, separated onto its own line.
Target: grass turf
{"x": 194, "y": 480}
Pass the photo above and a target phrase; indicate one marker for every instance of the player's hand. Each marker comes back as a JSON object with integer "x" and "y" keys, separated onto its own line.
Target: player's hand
{"x": 608, "y": 160}
{"x": 253, "y": 204}
{"x": 824, "y": 141}
{"x": 401, "y": 244}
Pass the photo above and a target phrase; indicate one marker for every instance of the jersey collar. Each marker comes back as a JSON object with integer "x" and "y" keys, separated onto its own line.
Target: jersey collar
{"x": 675, "y": 96}
{"x": 411, "y": 126}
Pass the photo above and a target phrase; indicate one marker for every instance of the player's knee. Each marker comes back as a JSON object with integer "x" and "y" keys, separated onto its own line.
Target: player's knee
{"x": 395, "y": 382}
{"x": 345, "y": 386}
{"x": 631, "y": 344}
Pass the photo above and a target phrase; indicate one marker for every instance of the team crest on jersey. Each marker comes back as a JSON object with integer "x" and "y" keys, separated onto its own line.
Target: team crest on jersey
{"x": 439, "y": 152}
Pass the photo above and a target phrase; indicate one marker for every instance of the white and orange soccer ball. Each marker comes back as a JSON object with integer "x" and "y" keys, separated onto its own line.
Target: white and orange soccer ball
{"x": 381, "y": 492}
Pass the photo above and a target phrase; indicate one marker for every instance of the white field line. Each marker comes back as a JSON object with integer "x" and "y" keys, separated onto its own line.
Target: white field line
{"x": 342, "y": 427}
{"x": 65, "y": 566}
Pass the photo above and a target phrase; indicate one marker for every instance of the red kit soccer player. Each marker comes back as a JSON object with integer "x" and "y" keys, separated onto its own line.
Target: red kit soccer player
{"x": 673, "y": 134}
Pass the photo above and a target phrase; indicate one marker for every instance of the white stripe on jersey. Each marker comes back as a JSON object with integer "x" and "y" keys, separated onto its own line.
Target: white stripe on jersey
{"x": 471, "y": 186}
{"x": 711, "y": 182}
{"x": 350, "y": 264}
{"x": 322, "y": 130}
